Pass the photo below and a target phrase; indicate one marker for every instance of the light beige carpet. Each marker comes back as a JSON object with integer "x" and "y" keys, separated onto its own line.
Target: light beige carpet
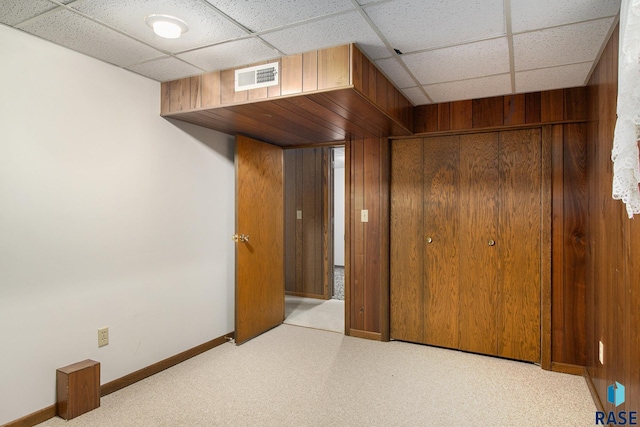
{"x": 315, "y": 313}
{"x": 292, "y": 376}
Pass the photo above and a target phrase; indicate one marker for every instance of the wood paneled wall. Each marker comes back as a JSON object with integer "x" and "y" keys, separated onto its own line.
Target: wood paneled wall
{"x": 374, "y": 86}
{"x": 560, "y": 105}
{"x": 613, "y": 279}
{"x": 308, "y": 248}
{"x": 562, "y": 114}
{"x": 367, "y": 245}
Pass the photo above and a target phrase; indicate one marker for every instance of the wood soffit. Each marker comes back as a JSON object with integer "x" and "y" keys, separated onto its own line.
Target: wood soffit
{"x": 337, "y": 94}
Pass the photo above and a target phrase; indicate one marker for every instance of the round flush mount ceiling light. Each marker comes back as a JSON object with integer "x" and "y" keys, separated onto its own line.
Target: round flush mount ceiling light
{"x": 167, "y": 26}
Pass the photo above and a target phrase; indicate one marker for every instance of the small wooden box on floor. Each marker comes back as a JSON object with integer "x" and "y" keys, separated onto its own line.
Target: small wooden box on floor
{"x": 78, "y": 389}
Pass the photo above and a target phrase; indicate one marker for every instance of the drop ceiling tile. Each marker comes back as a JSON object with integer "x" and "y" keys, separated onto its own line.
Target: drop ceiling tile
{"x": 412, "y": 25}
{"x": 206, "y": 26}
{"x": 470, "y": 89}
{"x": 529, "y": 15}
{"x": 568, "y": 44}
{"x": 552, "y": 78}
{"x": 165, "y": 69}
{"x": 396, "y": 72}
{"x": 260, "y": 15}
{"x": 416, "y": 96}
{"x": 14, "y": 12}
{"x": 332, "y": 31}
{"x": 83, "y": 35}
{"x": 229, "y": 54}
{"x": 461, "y": 62}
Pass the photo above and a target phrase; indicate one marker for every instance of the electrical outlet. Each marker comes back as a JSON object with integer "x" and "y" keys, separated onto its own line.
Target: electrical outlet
{"x": 103, "y": 337}
{"x": 601, "y": 352}
{"x": 364, "y": 215}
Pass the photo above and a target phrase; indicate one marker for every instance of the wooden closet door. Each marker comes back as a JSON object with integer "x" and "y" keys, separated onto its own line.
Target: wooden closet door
{"x": 441, "y": 240}
{"x": 519, "y": 245}
{"x": 407, "y": 292}
{"x": 479, "y": 261}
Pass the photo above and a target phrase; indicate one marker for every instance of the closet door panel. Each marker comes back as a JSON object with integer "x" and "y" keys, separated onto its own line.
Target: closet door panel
{"x": 441, "y": 231}
{"x": 479, "y": 263}
{"x": 407, "y": 292}
{"x": 519, "y": 245}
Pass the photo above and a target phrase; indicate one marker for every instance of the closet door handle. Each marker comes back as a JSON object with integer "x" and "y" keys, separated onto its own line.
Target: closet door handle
{"x": 429, "y": 240}
{"x": 492, "y": 242}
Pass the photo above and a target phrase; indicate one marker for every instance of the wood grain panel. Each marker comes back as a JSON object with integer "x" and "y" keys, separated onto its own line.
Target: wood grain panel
{"x": 575, "y": 242}
{"x": 180, "y": 94}
{"x": 306, "y": 264}
{"x": 291, "y": 74}
{"x": 407, "y": 245}
{"x": 519, "y": 245}
{"x": 259, "y": 214}
{"x": 333, "y": 67}
{"x": 195, "y": 87}
{"x": 211, "y": 89}
{"x": 575, "y": 104}
{"x": 368, "y": 262}
{"x": 290, "y": 220}
{"x": 312, "y": 221}
{"x": 373, "y": 278}
{"x": 488, "y": 112}
{"x": 552, "y": 105}
{"x": 357, "y": 260}
{"x": 165, "y": 98}
{"x": 479, "y": 267}
{"x": 461, "y": 115}
{"x": 441, "y": 239}
{"x": 444, "y": 116}
{"x": 310, "y": 71}
{"x": 228, "y": 94}
{"x": 532, "y": 107}
{"x": 501, "y": 112}
{"x": 514, "y": 109}
{"x": 612, "y": 283}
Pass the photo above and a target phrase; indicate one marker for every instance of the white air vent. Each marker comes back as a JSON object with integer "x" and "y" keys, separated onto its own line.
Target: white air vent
{"x": 258, "y": 76}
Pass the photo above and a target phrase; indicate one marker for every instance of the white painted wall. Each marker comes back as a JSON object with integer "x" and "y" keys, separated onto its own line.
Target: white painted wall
{"x": 109, "y": 216}
{"x": 338, "y": 224}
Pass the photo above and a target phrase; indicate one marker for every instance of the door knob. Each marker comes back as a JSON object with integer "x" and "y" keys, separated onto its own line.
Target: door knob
{"x": 429, "y": 240}
{"x": 492, "y": 242}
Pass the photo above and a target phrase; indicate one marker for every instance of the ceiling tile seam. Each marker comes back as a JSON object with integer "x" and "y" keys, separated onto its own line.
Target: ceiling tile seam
{"x": 464, "y": 80}
{"x": 227, "y": 17}
{"x": 602, "y": 48}
{"x": 56, "y": 9}
{"x": 536, "y": 30}
{"x": 442, "y": 47}
{"x": 512, "y": 62}
{"x": 554, "y": 66}
{"x": 257, "y": 35}
{"x": 390, "y": 48}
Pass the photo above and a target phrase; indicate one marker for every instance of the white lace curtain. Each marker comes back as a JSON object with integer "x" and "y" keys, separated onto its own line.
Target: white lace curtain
{"x": 625, "y": 154}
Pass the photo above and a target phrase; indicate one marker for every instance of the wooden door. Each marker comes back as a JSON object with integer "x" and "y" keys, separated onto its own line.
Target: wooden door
{"x": 441, "y": 240}
{"x": 479, "y": 266}
{"x": 407, "y": 258}
{"x": 519, "y": 245}
{"x": 260, "y": 216}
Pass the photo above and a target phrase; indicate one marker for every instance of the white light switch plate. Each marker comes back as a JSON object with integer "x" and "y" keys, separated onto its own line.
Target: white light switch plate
{"x": 299, "y": 214}
{"x": 364, "y": 215}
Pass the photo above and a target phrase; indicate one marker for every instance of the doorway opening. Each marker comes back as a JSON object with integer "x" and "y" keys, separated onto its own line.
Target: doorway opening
{"x": 314, "y": 193}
